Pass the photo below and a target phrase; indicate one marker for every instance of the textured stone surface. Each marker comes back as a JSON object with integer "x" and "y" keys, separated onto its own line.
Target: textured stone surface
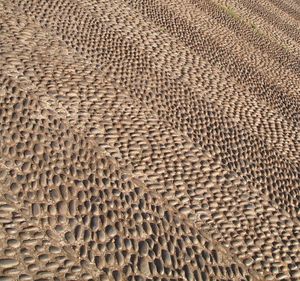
{"x": 149, "y": 140}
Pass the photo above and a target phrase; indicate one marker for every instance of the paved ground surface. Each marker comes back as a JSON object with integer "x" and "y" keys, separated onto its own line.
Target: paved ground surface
{"x": 149, "y": 140}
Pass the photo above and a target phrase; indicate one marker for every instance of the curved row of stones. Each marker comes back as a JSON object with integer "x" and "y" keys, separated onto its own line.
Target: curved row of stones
{"x": 276, "y": 22}
{"x": 266, "y": 86}
{"x": 108, "y": 224}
